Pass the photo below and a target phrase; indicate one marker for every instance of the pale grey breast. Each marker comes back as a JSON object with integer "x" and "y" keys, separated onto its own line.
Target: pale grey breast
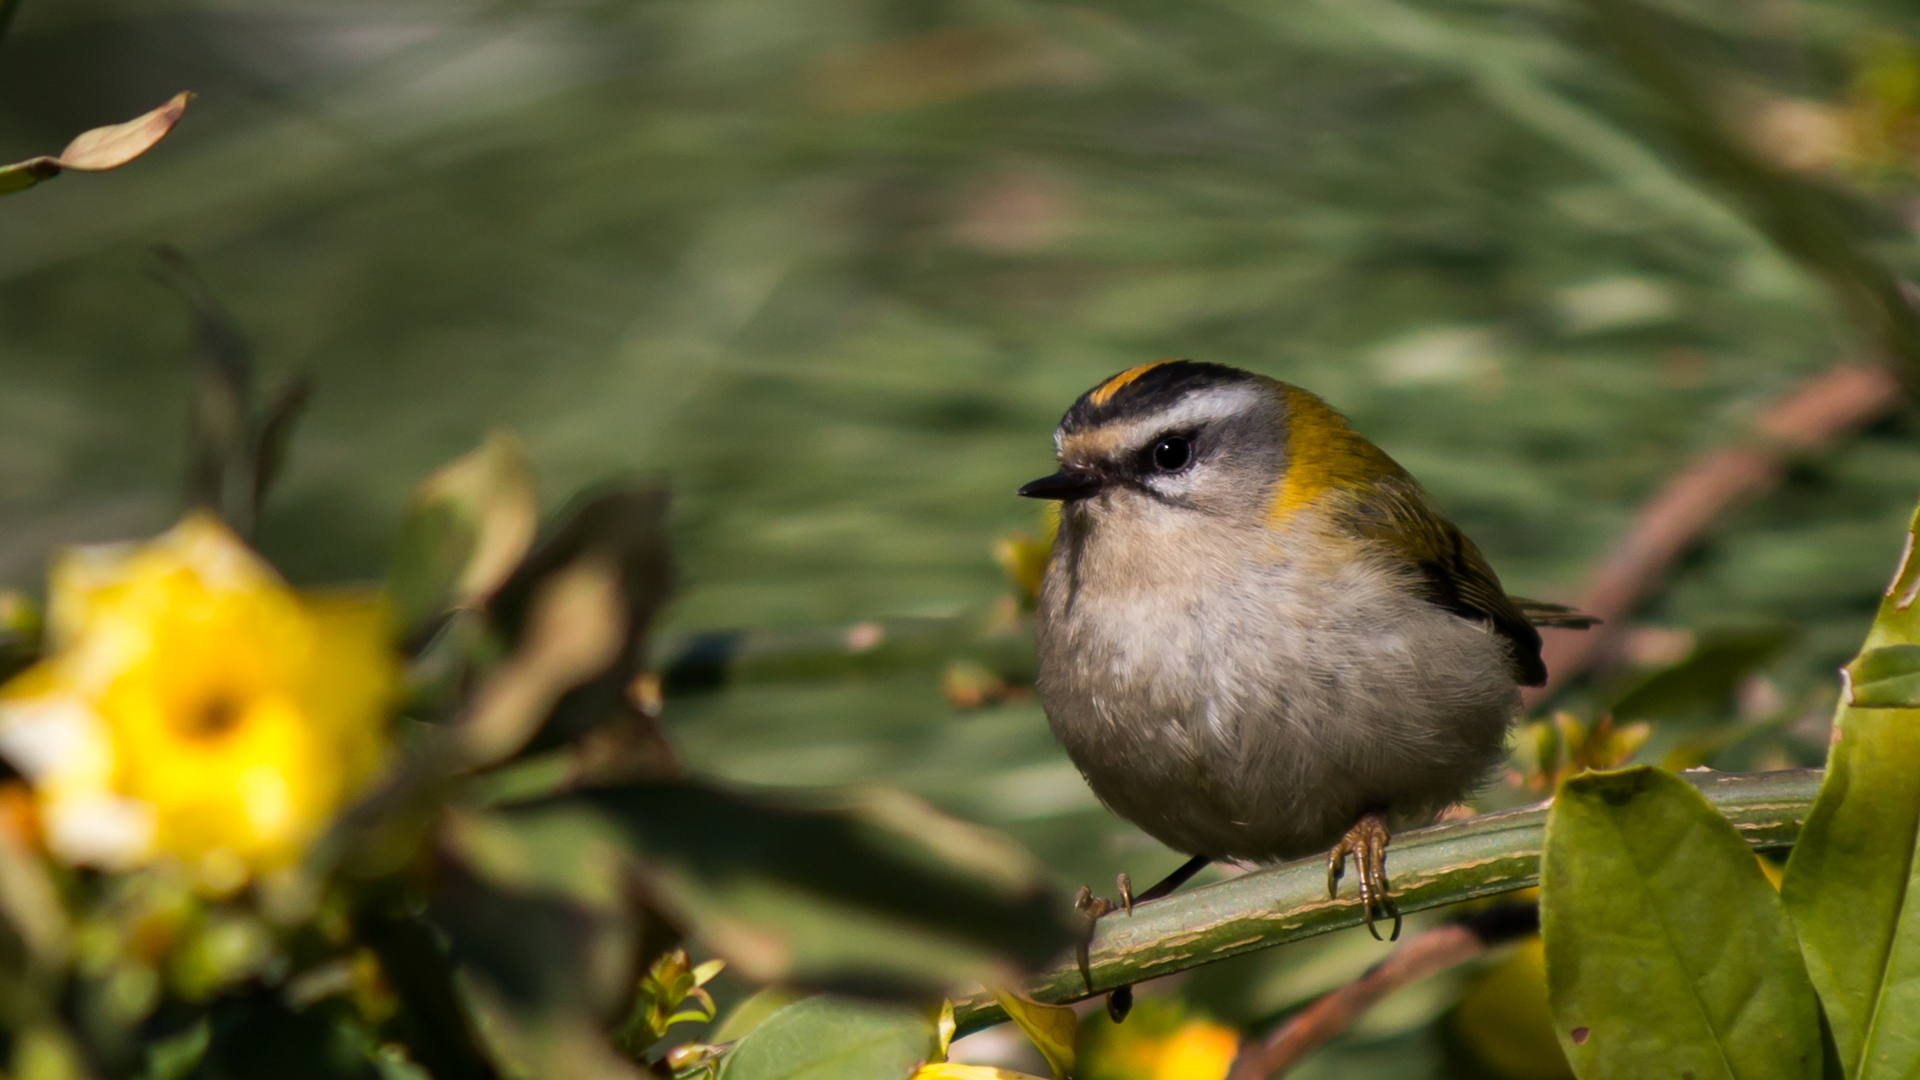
{"x": 1238, "y": 700}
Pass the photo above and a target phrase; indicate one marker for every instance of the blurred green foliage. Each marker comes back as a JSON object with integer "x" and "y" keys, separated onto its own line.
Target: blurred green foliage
{"x": 834, "y": 267}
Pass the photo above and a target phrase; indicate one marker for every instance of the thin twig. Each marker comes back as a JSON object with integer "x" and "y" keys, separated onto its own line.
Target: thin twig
{"x": 1309, "y": 1029}
{"x": 1423, "y": 956}
{"x": 1819, "y": 413}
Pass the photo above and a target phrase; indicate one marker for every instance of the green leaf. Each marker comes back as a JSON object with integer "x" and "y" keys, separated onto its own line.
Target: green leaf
{"x": 868, "y": 890}
{"x": 1853, "y": 868}
{"x": 757, "y": 1009}
{"x": 467, "y": 527}
{"x": 1668, "y": 953}
{"x": 543, "y": 960}
{"x": 1050, "y": 1028}
{"x": 1885, "y": 678}
{"x": 824, "y": 1038}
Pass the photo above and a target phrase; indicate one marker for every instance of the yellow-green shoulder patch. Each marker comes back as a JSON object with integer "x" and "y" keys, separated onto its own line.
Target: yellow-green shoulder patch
{"x": 1323, "y": 453}
{"x": 1105, "y": 391}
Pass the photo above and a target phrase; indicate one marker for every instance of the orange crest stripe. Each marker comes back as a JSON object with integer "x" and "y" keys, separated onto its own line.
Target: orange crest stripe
{"x": 1104, "y": 393}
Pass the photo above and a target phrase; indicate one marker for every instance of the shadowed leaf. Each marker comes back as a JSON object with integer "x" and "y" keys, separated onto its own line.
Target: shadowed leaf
{"x": 1667, "y": 950}
{"x": 546, "y": 948}
{"x": 824, "y": 1038}
{"x": 871, "y": 892}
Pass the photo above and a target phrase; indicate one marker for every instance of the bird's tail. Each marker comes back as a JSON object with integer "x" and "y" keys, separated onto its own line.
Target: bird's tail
{"x": 1558, "y": 616}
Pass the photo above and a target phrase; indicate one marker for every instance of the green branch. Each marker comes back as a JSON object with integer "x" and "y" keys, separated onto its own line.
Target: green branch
{"x": 1430, "y": 868}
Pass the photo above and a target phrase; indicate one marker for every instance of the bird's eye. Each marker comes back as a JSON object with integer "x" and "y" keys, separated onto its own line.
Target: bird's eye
{"x": 1172, "y": 454}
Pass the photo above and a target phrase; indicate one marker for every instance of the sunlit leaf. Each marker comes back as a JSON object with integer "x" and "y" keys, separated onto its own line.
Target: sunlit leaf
{"x": 575, "y": 630}
{"x": 1848, "y": 881}
{"x": 100, "y": 149}
{"x": 826, "y": 1038}
{"x": 1667, "y": 950}
{"x": 467, "y": 527}
{"x": 668, "y": 994}
{"x": 616, "y": 536}
{"x": 1885, "y": 678}
{"x": 1051, "y": 1028}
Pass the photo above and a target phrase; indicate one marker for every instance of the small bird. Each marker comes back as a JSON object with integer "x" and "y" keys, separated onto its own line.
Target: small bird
{"x": 1258, "y": 637}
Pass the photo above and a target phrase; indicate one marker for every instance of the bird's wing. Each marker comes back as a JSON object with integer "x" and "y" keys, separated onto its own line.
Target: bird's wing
{"x": 1399, "y": 516}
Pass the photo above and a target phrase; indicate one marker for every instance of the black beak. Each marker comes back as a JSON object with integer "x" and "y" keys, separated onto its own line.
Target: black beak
{"x": 1063, "y": 485}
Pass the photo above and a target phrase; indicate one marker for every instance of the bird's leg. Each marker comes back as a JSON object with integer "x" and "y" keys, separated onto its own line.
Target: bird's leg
{"x": 1367, "y": 843}
{"x": 1120, "y": 999}
{"x": 1093, "y": 907}
{"x": 1172, "y": 881}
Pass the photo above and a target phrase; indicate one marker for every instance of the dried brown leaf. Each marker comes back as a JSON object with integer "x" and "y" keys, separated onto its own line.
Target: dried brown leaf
{"x": 99, "y": 150}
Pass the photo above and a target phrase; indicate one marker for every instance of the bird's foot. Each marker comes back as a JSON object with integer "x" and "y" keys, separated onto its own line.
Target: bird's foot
{"x": 1120, "y": 1001}
{"x": 1120, "y": 998}
{"x": 1367, "y": 843}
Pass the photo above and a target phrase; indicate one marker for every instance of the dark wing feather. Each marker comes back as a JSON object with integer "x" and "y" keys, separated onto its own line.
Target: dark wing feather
{"x": 1453, "y": 573}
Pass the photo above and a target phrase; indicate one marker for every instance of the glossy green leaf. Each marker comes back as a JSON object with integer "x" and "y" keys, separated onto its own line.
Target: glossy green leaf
{"x": 825, "y": 1038}
{"x": 1850, "y": 876}
{"x": 1668, "y": 953}
{"x": 1885, "y": 678}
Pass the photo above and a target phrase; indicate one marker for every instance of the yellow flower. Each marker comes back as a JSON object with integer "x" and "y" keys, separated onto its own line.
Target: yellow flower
{"x": 1160, "y": 1042}
{"x": 1198, "y": 1051}
{"x": 191, "y": 703}
{"x": 945, "y": 1070}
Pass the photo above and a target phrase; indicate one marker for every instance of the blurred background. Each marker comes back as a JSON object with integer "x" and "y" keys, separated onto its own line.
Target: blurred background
{"x": 835, "y": 267}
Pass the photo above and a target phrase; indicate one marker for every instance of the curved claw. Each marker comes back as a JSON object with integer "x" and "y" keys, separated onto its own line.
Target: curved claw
{"x": 1367, "y": 843}
{"x": 1120, "y": 999}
